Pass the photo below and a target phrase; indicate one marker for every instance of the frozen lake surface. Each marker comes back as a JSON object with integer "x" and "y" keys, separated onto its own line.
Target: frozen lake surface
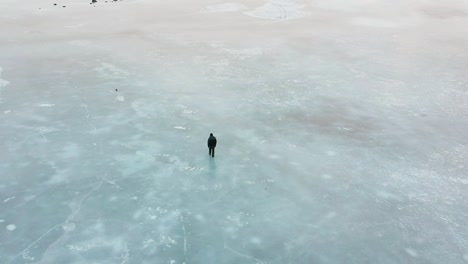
{"x": 342, "y": 132}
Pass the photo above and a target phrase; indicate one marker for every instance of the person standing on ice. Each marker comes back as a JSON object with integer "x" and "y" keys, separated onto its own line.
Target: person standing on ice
{"x": 211, "y": 145}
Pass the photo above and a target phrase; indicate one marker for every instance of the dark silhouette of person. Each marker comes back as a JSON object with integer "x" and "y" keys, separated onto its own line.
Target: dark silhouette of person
{"x": 211, "y": 145}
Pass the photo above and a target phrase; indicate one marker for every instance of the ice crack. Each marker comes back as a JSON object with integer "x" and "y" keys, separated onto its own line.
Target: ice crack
{"x": 243, "y": 255}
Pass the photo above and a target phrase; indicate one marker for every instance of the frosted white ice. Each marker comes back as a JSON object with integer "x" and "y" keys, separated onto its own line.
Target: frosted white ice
{"x": 225, "y": 7}
{"x": 3, "y": 83}
{"x": 279, "y": 9}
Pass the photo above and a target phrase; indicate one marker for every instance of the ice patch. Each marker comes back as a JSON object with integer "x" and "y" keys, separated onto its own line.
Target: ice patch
{"x": 279, "y": 9}
{"x": 343, "y": 6}
{"x": 46, "y": 105}
{"x": 3, "y": 83}
{"x": 215, "y": 44}
{"x": 226, "y": 7}
{"x": 255, "y": 240}
{"x": 68, "y": 227}
{"x": 11, "y": 227}
{"x": 167, "y": 241}
{"x": 1, "y": 220}
{"x": 85, "y": 246}
{"x": 109, "y": 71}
{"x": 411, "y": 252}
{"x": 274, "y": 156}
{"x": 374, "y": 22}
{"x": 200, "y": 218}
{"x": 81, "y": 43}
{"x": 237, "y": 220}
{"x": 180, "y": 127}
{"x": 120, "y": 98}
{"x": 8, "y": 199}
{"x": 6, "y": 112}
{"x": 331, "y": 215}
{"x": 137, "y": 215}
{"x": 188, "y": 112}
{"x": 241, "y": 53}
{"x": 388, "y": 196}
{"x": 73, "y": 26}
{"x": 71, "y": 150}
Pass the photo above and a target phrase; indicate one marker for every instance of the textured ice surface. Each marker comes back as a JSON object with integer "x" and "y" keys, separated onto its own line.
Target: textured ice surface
{"x": 342, "y": 134}
{"x": 226, "y": 7}
{"x": 279, "y": 9}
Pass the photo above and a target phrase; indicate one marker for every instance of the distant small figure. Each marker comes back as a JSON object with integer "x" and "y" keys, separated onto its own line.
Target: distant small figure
{"x": 211, "y": 145}
{"x": 116, "y": 90}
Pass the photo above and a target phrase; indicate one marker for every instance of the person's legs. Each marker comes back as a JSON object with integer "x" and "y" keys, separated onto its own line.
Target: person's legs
{"x": 212, "y": 152}
{"x": 209, "y": 151}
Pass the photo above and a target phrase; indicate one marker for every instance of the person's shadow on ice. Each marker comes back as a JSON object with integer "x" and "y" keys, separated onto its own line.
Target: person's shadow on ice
{"x": 212, "y": 167}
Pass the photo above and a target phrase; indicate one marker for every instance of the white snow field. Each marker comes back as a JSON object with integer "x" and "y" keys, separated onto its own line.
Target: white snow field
{"x": 342, "y": 130}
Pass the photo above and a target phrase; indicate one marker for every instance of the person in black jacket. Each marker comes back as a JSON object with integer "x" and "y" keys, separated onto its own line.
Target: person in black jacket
{"x": 211, "y": 145}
